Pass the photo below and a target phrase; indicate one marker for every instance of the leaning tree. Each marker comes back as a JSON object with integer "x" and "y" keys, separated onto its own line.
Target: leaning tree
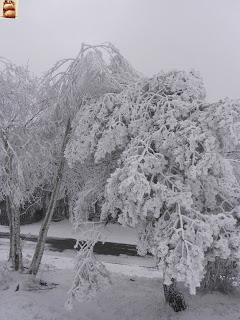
{"x": 68, "y": 87}
{"x": 173, "y": 181}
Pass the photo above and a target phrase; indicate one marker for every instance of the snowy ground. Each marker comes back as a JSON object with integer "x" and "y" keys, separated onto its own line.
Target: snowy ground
{"x": 63, "y": 229}
{"x": 135, "y": 294}
{"x": 125, "y": 299}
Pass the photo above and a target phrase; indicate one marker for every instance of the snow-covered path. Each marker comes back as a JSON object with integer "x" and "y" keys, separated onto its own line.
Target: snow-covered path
{"x": 63, "y": 229}
{"x": 132, "y": 266}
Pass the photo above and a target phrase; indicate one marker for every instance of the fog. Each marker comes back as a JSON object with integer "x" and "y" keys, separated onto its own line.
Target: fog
{"x": 153, "y": 35}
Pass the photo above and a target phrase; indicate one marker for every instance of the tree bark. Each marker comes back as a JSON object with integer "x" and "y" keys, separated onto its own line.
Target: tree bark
{"x": 9, "y": 215}
{"x": 15, "y": 251}
{"x": 17, "y": 248}
{"x": 174, "y": 297}
{"x": 37, "y": 257}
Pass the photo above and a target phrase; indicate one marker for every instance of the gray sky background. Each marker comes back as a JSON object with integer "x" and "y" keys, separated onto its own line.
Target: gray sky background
{"x": 153, "y": 35}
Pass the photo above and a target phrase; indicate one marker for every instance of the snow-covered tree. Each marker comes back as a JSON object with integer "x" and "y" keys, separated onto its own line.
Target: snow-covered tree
{"x": 19, "y": 174}
{"x": 174, "y": 182}
{"x": 68, "y": 87}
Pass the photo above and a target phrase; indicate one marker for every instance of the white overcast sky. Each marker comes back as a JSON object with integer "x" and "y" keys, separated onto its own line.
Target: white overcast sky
{"x": 153, "y": 35}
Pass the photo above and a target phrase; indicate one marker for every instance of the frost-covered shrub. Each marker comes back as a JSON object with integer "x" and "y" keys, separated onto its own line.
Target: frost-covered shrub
{"x": 221, "y": 275}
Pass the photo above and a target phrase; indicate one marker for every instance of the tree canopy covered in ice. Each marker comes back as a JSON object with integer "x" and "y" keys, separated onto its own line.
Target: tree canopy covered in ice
{"x": 173, "y": 180}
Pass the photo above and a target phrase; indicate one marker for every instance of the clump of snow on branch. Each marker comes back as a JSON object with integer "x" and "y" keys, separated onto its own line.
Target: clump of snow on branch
{"x": 90, "y": 275}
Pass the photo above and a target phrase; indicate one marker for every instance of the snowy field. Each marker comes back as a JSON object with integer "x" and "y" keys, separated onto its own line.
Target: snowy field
{"x": 135, "y": 294}
{"x": 141, "y": 299}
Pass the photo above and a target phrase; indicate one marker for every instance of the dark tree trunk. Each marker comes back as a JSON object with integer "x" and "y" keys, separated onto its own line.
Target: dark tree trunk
{"x": 4, "y": 215}
{"x": 174, "y": 297}
{"x": 15, "y": 252}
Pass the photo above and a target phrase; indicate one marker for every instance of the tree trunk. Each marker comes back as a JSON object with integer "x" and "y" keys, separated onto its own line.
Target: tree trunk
{"x": 17, "y": 249}
{"x": 15, "y": 252}
{"x": 37, "y": 257}
{"x": 173, "y": 297}
{"x": 9, "y": 215}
